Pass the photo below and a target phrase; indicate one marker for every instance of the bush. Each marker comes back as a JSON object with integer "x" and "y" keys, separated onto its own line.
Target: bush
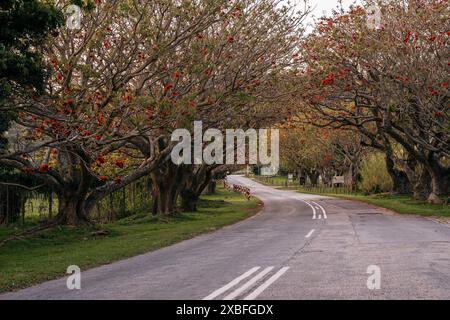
{"x": 374, "y": 174}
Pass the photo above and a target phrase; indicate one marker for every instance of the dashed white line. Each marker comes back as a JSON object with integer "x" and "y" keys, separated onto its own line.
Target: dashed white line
{"x": 266, "y": 284}
{"x": 231, "y": 284}
{"x": 248, "y": 284}
{"x": 310, "y": 233}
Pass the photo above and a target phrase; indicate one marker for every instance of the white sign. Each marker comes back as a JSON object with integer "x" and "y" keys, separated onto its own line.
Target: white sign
{"x": 338, "y": 179}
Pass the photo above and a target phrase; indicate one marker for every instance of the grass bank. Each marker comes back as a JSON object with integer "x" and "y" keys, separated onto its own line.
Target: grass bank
{"x": 46, "y": 256}
{"x": 402, "y": 204}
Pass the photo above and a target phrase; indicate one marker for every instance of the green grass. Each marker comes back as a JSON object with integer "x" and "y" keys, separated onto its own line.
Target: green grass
{"x": 274, "y": 181}
{"x": 46, "y": 256}
{"x": 402, "y": 204}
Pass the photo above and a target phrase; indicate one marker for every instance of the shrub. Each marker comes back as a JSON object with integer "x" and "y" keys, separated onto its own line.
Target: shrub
{"x": 374, "y": 174}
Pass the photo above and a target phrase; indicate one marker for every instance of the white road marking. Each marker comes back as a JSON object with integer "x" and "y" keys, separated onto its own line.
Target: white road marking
{"x": 322, "y": 208}
{"x": 231, "y": 284}
{"x": 248, "y": 284}
{"x": 309, "y": 204}
{"x": 310, "y": 233}
{"x": 320, "y": 217}
{"x": 266, "y": 284}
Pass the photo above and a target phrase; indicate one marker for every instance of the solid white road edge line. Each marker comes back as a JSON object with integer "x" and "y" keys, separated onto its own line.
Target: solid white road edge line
{"x": 248, "y": 284}
{"x": 309, "y": 204}
{"x": 231, "y": 284}
{"x": 322, "y": 208}
{"x": 266, "y": 284}
{"x": 310, "y": 233}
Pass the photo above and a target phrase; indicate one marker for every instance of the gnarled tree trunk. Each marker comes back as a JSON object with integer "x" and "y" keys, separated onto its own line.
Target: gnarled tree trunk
{"x": 400, "y": 181}
{"x": 440, "y": 183}
{"x": 196, "y": 182}
{"x": 71, "y": 208}
{"x": 167, "y": 183}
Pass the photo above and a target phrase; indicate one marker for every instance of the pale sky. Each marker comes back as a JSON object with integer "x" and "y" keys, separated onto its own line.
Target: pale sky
{"x": 324, "y": 7}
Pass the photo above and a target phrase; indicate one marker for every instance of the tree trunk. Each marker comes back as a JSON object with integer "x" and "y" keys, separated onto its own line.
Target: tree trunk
{"x": 439, "y": 185}
{"x": 197, "y": 180}
{"x": 301, "y": 177}
{"x": 354, "y": 174}
{"x": 167, "y": 183}
{"x": 314, "y": 177}
{"x": 418, "y": 177}
{"x": 422, "y": 185}
{"x": 210, "y": 188}
{"x": 400, "y": 181}
{"x": 161, "y": 198}
{"x": 189, "y": 200}
{"x": 71, "y": 209}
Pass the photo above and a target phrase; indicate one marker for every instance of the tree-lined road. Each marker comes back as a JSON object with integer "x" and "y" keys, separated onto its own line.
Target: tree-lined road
{"x": 298, "y": 247}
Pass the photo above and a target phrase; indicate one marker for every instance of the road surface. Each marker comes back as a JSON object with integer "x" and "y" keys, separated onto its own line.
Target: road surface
{"x": 299, "y": 247}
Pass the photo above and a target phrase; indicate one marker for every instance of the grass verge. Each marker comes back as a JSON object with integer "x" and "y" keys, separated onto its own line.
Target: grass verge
{"x": 46, "y": 256}
{"x": 402, "y": 204}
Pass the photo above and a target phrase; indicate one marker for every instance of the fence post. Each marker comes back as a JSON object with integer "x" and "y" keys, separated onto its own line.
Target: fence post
{"x": 7, "y": 205}
{"x": 50, "y": 205}
{"x": 23, "y": 214}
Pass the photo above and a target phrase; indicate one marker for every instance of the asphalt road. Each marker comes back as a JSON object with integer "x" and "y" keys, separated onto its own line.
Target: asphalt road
{"x": 299, "y": 247}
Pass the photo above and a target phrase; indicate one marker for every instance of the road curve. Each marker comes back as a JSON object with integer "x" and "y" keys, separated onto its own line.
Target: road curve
{"x": 299, "y": 247}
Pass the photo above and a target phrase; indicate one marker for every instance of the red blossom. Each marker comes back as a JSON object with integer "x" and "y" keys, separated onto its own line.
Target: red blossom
{"x": 127, "y": 98}
{"x": 168, "y": 87}
{"x": 44, "y": 168}
{"x": 439, "y": 114}
{"x": 101, "y": 159}
{"x": 177, "y": 75}
{"x": 329, "y": 80}
{"x": 407, "y": 37}
{"x": 432, "y": 91}
{"x": 120, "y": 164}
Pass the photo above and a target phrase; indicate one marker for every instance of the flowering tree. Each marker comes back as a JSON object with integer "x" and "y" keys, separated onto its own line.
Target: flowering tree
{"x": 132, "y": 73}
{"x": 94, "y": 111}
{"x": 235, "y": 77}
{"x": 321, "y": 152}
{"x": 377, "y": 79}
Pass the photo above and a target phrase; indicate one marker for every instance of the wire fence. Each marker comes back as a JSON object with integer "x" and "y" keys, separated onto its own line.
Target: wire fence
{"x": 18, "y": 206}
{"x": 307, "y": 188}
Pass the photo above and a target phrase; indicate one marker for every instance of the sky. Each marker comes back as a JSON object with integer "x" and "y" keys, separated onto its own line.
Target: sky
{"x": 323, "y": 7}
